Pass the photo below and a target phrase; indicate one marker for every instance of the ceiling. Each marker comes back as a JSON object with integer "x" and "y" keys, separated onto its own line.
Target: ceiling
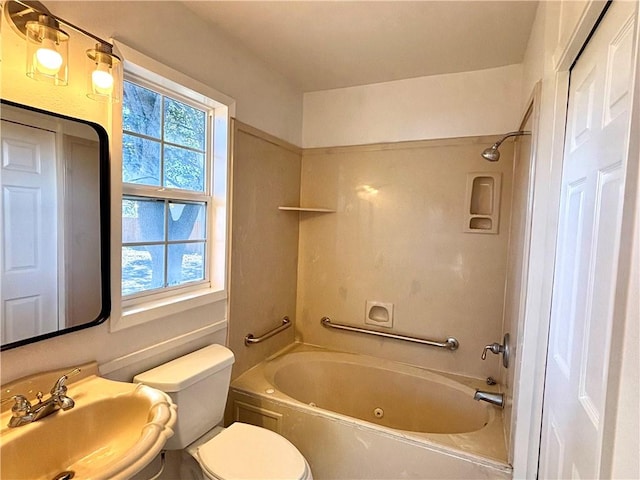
{"x": 320, "y": 45}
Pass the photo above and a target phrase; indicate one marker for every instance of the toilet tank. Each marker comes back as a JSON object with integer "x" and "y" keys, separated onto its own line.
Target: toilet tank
{"x": 198, "y": 384}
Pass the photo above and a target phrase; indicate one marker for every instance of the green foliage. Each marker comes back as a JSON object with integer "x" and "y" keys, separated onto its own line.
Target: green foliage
{"x": 140, "y": 160}
{"x": 141, "y": 110}
{"x": 183, "y": 169}
{"x": 183, "y": 125}
{"x": 164, "y": 144}
{"x": 129, "y": 209}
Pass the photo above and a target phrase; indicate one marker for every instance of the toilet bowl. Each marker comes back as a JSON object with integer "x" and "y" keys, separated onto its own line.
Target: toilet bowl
{"x": 198, "y": 384}
{"x": 244, "y": 451}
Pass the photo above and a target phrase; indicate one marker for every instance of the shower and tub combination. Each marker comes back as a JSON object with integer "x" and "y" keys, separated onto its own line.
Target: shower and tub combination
{"x": 355, "y": 415}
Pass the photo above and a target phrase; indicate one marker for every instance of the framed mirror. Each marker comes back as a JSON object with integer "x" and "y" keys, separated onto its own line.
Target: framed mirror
{"x": 54, "y": 218}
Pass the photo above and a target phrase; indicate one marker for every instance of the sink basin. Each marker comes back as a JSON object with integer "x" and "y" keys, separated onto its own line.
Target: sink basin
{"x": 114, "y": 430}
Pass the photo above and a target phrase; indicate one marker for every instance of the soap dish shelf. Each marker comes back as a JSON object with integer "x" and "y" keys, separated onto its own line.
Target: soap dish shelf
{"x": 306, "y": 209}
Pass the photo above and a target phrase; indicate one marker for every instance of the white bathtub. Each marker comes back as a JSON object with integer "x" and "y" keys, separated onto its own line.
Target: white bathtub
{"x": 354, "y": 416}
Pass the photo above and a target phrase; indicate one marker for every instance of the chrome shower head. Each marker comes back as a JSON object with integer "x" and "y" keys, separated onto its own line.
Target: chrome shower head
{"x": 492, "y": 153}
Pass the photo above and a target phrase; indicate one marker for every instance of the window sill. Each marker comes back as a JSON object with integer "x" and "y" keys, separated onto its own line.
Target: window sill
{"x": 155, "y": 309}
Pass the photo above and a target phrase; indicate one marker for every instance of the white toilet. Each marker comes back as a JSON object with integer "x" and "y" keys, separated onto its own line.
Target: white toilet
{"x": 198, "y": 384}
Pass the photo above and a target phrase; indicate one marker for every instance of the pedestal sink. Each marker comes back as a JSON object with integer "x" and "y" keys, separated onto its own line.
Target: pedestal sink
{"x": 114, "y": 430}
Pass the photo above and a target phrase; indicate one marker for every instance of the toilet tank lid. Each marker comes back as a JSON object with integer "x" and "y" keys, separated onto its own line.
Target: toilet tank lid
{"x": 187, "y": 370}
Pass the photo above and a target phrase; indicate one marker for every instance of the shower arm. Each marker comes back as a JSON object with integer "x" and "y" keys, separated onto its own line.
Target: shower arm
{"x": 510, "y": 134}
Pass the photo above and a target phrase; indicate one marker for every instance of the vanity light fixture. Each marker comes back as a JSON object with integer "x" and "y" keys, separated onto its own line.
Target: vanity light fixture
{"x": 104, "y": 68}
{"x": 47, "y": 50}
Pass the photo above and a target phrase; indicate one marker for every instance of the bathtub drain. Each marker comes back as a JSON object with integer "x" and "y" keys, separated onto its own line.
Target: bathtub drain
{"x": 67, "y": 475}
{"x": 378, "y": 412}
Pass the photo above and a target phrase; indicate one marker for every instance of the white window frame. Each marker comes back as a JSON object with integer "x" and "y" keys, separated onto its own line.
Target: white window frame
{"x": 141, "y": 308}
{"x": 170, "y": 194}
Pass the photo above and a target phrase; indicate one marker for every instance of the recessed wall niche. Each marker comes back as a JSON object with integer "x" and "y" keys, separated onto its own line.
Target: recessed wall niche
{"x": 482, "y": 203}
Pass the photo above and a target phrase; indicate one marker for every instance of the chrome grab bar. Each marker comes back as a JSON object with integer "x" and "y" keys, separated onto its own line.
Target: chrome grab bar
{"x": 250, "y": 339}
{"x": 450, "y": 343}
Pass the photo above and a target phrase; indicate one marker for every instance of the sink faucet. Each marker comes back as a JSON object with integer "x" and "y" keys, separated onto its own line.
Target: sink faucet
{"x": 23, "y": 412}
{"x": 490, "y": 397}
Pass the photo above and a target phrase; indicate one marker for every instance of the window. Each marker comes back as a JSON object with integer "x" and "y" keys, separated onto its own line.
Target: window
{"x": 166, "y": 207}
{"x": 171, "y": 139}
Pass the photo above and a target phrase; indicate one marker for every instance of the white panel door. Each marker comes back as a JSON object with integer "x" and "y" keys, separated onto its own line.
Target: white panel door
{"x": 28, "y": 248}
{"x": 587, "y": 250}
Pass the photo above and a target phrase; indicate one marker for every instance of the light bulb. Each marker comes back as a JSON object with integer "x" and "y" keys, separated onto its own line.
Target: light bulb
{"x": 47, "y": 60}
{"x": 102, "y": 80}
{"x": 104, "y": 69}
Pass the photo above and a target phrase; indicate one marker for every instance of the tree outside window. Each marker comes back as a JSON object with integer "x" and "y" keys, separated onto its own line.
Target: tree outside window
{"x": 164, "y": 207}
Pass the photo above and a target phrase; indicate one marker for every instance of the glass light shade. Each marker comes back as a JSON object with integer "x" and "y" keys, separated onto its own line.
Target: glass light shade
{"x": 104, "y": 73}
{"x": 47, "y": 52}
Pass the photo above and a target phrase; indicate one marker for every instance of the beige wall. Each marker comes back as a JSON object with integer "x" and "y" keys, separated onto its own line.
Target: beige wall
{"x": 175, "y": 37}
{"x": 482, "y": 102}
{"x": 264, "y": 243}
{"x": 69, "y": 100}
{"x": 82, "y": 222}
{"x": 405, "y": 245}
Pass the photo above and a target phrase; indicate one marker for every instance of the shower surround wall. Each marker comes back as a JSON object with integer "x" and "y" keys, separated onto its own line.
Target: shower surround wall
{"x": 397, "y": 236}
{"x": 264, "y": 242}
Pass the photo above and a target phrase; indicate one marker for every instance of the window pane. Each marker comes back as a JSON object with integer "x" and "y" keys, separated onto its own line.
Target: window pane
{"x": 184, "y": 125}
{"x": 142, "y": 220}
{"x": 142, "y": 268}
{"x": 186, "y": 263}
{"x": 140, "y": 160}
{"x": 186, "y": 221}
{"x": 183, "y": 169}
{"x": 141, "y": 110}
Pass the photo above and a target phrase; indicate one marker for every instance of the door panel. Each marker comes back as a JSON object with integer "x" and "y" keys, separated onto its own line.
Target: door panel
{"x": 569, "y": 248}
{"x": 587, "y": 250}
{"x": 598, "y": 318}
{"x": 28, "y": 217}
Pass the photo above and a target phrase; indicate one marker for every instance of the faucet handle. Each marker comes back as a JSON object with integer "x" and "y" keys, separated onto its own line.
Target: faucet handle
{"x": 21, "y": 407}
{"x": 495, "y": 348}
{"x": 59, "y": 387}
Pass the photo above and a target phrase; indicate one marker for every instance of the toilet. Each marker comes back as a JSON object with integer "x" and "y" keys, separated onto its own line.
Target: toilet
{"x": 198, "y": 384}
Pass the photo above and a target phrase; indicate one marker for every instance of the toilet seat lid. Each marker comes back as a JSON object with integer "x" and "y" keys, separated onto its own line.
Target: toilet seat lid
{"x": 245, "y": 451}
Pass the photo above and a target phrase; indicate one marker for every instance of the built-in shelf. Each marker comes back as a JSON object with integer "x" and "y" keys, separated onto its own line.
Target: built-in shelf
{"x": 482, "y": 202}
{"x": 306, "y": 209}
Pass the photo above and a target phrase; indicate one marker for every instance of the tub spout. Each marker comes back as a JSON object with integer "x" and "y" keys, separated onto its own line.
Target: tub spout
{"x": 490, "y": 397}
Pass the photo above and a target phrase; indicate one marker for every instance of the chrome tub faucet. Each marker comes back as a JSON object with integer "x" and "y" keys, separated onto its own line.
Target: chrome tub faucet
{"x": 23, "y": 412}
{"x": 490, "y": 397}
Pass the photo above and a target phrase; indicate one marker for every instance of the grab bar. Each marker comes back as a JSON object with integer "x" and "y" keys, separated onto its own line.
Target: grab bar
{"x": 250, "y": 339}
{"x": 450, "y": 343}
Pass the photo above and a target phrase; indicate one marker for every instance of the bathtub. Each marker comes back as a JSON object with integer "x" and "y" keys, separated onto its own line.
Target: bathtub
{"x": 359, "y": 417}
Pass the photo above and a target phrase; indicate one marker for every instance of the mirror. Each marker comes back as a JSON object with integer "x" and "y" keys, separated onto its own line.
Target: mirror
{"x": 54, "y": 218}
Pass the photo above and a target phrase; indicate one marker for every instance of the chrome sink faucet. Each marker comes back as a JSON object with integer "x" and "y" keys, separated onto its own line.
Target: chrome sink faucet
{"x": 23, "y": 412}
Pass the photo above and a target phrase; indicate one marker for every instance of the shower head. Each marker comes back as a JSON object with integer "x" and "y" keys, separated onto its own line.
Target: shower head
{"x": 492, "y": 153}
